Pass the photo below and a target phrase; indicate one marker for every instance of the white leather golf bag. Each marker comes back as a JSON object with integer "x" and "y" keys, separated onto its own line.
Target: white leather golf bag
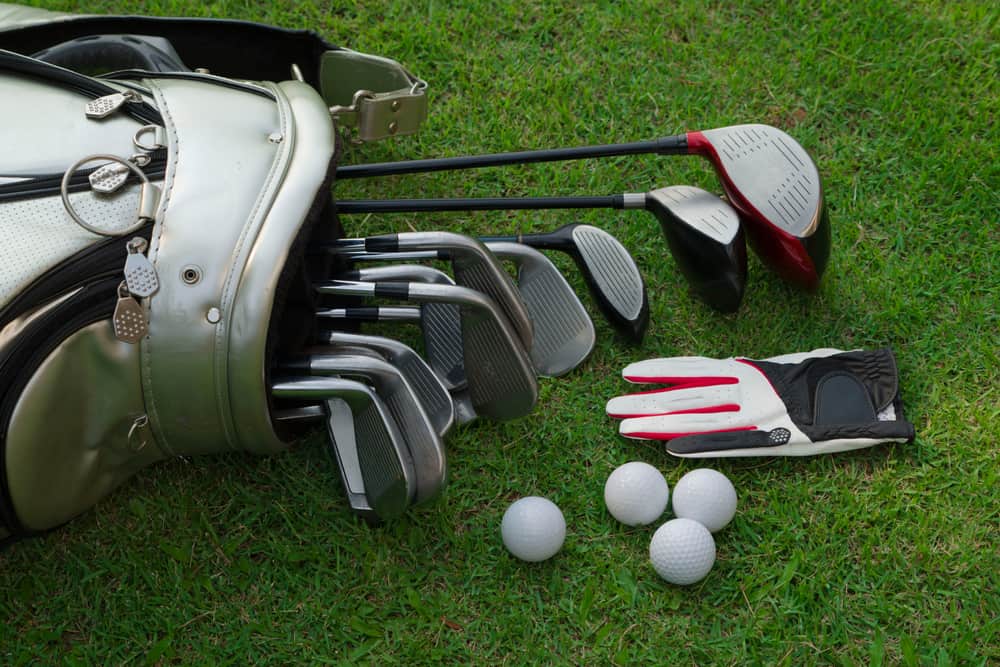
{"x": 153, "y": 226}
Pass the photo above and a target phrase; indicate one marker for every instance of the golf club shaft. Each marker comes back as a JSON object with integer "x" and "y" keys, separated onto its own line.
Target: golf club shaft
{"x": 487, "y": 204}
{"x": 674, "y": 145}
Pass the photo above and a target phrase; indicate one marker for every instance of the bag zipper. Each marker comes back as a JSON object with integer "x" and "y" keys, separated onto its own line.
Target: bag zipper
{"x": 141, "y": 110}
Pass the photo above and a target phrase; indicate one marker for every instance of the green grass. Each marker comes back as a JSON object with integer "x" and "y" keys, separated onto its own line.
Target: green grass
{"x": 884, "y": 556}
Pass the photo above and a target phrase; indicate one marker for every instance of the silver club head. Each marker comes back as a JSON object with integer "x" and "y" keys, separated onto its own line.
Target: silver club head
{"x": 502, "y": 382}
{"x": 374, "y": 462}
{"x": 432, "y": 393}
{"x": 426, "y": 448}
{"x": 440, "y": 322}
{"x": 564, "y": 333}
{"x": 472, "y": 264}
{"x": 442, "y": 334}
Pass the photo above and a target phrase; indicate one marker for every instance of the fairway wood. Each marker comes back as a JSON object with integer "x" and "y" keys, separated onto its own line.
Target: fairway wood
{"x": 428, "y": 387}
{"x": 686, "y": 235}
{"x": 472, "y": 264}
{"x": 441, "y": 322}
{"x": 706, "y": 240}
{"x": 767, "y": 175}
{"x": 423, "y": 441}
{"x": 607, "y": 267}
{"x": 563, "y": 333}
{"x": 502, "y": 382}
{"x": 374, "y": 462}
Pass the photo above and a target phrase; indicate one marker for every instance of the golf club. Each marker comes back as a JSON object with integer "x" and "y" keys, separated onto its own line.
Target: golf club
{"x": 767, "y": 175}
{"x": 374, "y": 462}
{"x": 428, "y": 387}
{"x": 426, "y": 449}
{"x": 472, "y": 265}
{"x": 703, "y": 231}
{"x": 441, "y": 323}
{"x": 502, "y": 382}
{"x": 608, "y": 268}
{"x": 563, "y": 333}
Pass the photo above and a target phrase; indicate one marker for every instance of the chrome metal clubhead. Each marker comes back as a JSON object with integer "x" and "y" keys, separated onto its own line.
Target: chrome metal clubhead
{"x": 440, "y": 322}
{"x": 374, "y": 462}
{"x": 426, "y": 449}
{"x": 564, "y": 334}
{"x": 472, "y": 264}
{"x": 442, "y": 335}
{"x": 502, "y": 382}
{"x": 432, "y": 393}
{"x": 706, "y": 240}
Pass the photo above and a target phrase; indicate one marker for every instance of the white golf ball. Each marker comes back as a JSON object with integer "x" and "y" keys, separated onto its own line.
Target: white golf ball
{"x": 636, "y": 493}
{"x": 533, "y": 529}
{"x": 707, "y": 496}
{"x": 682, "y": 551}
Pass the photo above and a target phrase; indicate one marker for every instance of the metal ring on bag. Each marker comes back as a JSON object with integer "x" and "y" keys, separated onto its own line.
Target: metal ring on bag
{"x": 64, "y": 192}
{"x": 146, "y": 129}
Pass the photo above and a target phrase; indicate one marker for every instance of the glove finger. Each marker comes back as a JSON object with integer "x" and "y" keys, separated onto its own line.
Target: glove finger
{"x": 681, "y": 370}
{"x": 667, "y": 427}
{"x": 683, "y": 398}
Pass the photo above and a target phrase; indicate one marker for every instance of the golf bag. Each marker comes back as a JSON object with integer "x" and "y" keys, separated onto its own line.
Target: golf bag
{"x": 153, "y": 227}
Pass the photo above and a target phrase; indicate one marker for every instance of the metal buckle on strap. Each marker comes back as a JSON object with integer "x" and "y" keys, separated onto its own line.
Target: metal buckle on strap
{"x": 386, "y": 100}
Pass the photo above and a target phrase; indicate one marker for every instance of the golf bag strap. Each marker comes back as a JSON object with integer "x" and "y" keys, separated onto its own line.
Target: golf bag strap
{"x": 375, "y": 96}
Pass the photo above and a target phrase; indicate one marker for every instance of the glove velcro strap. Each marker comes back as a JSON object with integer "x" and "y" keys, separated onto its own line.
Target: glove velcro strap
{"x": 849, "y": 389}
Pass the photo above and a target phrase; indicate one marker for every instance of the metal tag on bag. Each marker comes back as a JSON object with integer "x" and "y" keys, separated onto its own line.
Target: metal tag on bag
{"x": 129, "y": 321}
{"x": 109, "y": 178}
{"x": 104, "y": 106}
{"x": 140, "y": 275}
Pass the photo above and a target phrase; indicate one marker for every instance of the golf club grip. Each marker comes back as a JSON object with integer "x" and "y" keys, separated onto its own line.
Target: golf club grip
{"x": 665, "y": 146}
{"x": 479, "y": 204}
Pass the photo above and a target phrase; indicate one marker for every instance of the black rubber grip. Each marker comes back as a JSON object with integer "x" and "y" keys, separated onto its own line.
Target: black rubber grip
{"x": 383, "y": 243}
{"x": 392, "y": 290}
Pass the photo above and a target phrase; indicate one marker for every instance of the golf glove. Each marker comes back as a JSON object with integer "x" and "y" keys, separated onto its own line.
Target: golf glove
{"x": 799, "y": 404}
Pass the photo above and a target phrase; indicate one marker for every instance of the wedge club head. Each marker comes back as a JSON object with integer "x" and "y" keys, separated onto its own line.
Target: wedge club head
{"x": 430, "y": 391}
{"x": 424, "y": 443}
{"x": 375, "y": 466}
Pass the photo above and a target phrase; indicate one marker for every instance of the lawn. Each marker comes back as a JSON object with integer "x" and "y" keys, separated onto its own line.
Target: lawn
{"x": 889, "y": 555}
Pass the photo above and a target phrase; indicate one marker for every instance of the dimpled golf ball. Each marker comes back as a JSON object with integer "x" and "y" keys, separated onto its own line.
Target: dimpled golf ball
{"x": 533, "y": 529}
{"x": 707, "y": 496}
{"x": 682, "y": 551}
{"x": 636, "y": 493}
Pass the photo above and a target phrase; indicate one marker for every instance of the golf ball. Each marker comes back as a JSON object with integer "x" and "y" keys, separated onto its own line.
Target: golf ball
{"x": 636, "y": 493}
{"x": 707, "y": 496}
{"x": 533, "y": 529}
{"x": 682, "y": 551}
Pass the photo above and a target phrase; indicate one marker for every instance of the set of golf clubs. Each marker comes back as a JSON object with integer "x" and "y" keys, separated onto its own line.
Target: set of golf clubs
{"x": 486, "y": 338}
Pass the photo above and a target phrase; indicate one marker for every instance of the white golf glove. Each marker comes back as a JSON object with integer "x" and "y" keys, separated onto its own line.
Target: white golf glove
{"x": 794, "y": 405}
